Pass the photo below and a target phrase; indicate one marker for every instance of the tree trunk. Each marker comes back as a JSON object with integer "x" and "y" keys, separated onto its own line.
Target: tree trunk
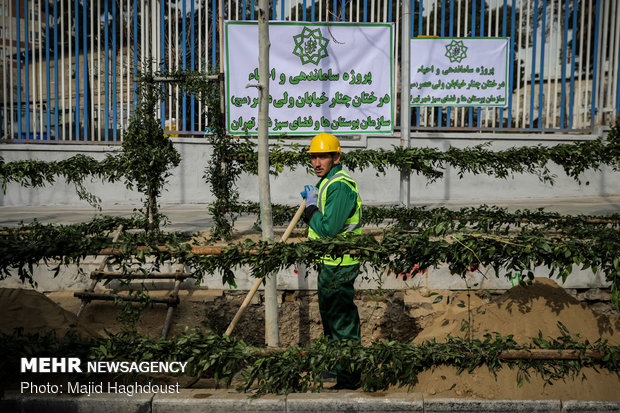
{"x": 271, "y": 301}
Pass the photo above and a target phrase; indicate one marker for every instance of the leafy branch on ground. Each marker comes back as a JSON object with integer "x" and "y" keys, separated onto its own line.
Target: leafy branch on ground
{"x": 299, "y": 368}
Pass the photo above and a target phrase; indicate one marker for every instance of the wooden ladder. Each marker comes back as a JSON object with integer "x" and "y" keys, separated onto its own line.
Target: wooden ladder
{"x": 99, "y": 274}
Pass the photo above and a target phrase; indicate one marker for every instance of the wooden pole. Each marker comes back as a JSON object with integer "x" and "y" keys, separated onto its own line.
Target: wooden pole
{"x": 101, "y": 267}
{"x": 272, "y": 337}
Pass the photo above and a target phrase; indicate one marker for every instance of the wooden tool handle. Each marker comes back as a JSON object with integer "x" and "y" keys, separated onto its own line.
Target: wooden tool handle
{"x": 259, "y": 281}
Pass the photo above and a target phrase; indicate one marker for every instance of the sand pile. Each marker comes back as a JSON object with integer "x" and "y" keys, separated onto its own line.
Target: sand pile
{"x": 34, "y": 312}
{"x": 523, "y": 312}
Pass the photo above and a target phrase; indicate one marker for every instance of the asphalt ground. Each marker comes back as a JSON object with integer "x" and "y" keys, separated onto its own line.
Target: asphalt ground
{"x": 195, "y": 217}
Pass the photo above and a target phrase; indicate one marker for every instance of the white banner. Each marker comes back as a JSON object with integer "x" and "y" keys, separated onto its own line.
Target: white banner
{"x": 325, "y": 77}
{"x": 459, "y": 71}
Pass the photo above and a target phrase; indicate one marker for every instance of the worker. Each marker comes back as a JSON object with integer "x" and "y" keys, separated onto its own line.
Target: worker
{"x": 334, "y": 207}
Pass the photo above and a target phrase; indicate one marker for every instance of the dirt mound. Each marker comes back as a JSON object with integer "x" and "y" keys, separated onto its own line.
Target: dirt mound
{"x": 34, "y": 312}
{"x": 523, "y": 311}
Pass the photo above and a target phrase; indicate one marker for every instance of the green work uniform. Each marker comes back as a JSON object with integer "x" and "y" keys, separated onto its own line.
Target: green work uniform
{"x": 339, "y": 211}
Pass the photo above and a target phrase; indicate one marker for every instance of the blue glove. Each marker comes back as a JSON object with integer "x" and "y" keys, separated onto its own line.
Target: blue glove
{"x": 310, "y": 194}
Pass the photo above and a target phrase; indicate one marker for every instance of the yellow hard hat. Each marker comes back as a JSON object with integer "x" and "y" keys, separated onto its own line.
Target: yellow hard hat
{"x": 324, "y": 143}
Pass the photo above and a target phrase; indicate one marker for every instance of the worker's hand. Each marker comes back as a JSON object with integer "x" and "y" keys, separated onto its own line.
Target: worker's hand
{"x": 310, "y": 194}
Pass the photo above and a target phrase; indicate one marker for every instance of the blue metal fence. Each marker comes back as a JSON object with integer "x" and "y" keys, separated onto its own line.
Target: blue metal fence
{"x": 564, "y": 75}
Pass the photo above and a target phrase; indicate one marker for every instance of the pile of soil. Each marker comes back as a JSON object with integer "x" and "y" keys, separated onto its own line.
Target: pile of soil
{"x": 34, "y": 312}
{"x": 523, "y": 312}
{"x": 399, "y": 315}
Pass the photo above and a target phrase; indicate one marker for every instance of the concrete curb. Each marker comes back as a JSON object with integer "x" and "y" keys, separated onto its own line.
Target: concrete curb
{"x": 225, "y": 401}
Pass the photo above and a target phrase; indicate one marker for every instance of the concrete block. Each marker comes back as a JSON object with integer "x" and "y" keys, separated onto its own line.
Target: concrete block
{"x": 319, "y": 402}
{"x": 9, "y": 403}
{"x": 471, "y": 406}
{"x": 187, "y": 400}
{"x": 217, "y": 401}
{"x": 377, "y": 402}
{"x": 99, "y": 403}
{"x": 579, "y": 406}
{"x": 354, "y": 402}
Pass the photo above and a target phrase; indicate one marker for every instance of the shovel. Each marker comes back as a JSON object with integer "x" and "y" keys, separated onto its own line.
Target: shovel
{"x": 258, "y": 282}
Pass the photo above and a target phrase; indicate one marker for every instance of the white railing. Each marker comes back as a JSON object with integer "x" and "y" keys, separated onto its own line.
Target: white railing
{"x": 72, "y": 79}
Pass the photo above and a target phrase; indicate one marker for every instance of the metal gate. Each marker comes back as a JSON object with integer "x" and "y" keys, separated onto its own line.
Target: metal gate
{"x": 68, "y": 65}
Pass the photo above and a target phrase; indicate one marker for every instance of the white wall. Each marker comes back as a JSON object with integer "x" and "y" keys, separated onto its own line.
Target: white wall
{"x": 187, "y": 185}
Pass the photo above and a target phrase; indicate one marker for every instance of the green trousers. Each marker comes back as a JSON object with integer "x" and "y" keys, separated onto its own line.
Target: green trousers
{"x": 339, "y": 314}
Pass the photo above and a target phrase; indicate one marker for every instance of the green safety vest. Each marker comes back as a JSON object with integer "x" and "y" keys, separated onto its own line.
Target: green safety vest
{"x": 352, "y": 225}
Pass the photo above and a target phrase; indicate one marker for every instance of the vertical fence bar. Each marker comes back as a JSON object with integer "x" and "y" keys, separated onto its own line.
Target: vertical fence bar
{"x": 135, "y": 51}
{"x": 62, "y": 70}
{"x": 48, "y": 112}
{"x": 162, "y": 61}
{"x": 99, "y": 77}
{"x": 365, "y": 10}
{"x": 192, "y": 67}
{"x": 184, "y": 42}
{"x": 541, "y": 75}
{"x": 564, "y": 49}
{"x": 613, "y": 57}
{"x": 114, "y": 84}
{"x": 34, "y": 104}
{"x": 171, "y": 65}
{"x": 201, "y": 65}
{"x": 580, "y": 100}
{"x": 606, "y": 69}
{"x": 15, "y": 114}
{"x": 617, "y": 60}
{"x": 6, "y": 50}
{"x": 405, "y": 107}
{"x": 512, "y": 63}
{"x": 106, "y": 76}
{"x": 551, "y": 64}
{"x": 489, "y": 32}
{"x": 77, "y": 70}
{"x": 602, "y": 45}
{"x": 572, "y": 69}
{"x": 26, "y": 68}
{"x": 70, "y": 72}
{"x": 121, "y": 63}
{"x": 556, "y": 81}
{"x": 533, "y": 77}
{"x": 92, "y": 68}
{"x": 460, "y": 32}
{"x": 520, "y": 119}
{"x": 85, "y": 67}
{"x": 593, "y": 107}
{"x": 176, "y": 66}
{"x": 213, "y": 26}
{"x": 479, "y": 110}
{"x": 420, "y": 32}
{"x": 451, "y": 34}
{"x": 473, "y": 34}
